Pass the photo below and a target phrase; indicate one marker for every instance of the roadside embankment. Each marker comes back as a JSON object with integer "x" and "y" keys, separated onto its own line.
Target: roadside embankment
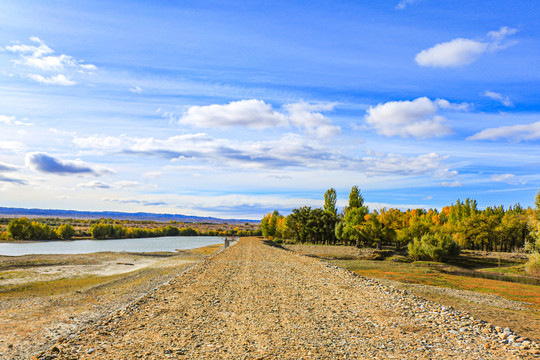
{"x": 254, "y": 301}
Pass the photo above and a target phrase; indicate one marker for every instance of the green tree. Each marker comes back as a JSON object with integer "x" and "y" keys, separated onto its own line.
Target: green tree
{"x": 65, "y": 231}
{"x": 330, "y": 201}
{"x": 20, "y": 229}
{"x": 436, "y": 247}
{"x": 356, "y": 199}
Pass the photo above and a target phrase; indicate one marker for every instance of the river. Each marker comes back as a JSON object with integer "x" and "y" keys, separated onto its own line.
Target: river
{"x": 168, "y": 243}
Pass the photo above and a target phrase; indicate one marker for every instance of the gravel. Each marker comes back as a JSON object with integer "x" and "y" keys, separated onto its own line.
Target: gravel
{"x": 253, "y": 301}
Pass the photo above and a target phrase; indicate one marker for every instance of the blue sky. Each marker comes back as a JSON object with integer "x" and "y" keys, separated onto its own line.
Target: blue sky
{"x": 233, "y": 109}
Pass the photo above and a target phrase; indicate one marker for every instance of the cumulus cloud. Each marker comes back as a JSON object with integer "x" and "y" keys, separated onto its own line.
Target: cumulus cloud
{"x": 249, "y": 113}
{"x": 310, "y": 117}
{"x": 12, "y": 120}
{"x": 505, "y": 100}
{"x": 520, "y": 132}
{"x": 47, "y": 164}
{"x": 39, "y": 56}
{"x": 257, "y": 114}
{"x": 460, "y": 51}
{"x": 59, "y": 79}
{"x": 417, "y": 118}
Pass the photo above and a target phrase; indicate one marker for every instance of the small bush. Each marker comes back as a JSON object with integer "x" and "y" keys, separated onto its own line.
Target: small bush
{"x": 436, "y": 247}
{"x": 532, "y": 267}
{"x": 380, "y": 255}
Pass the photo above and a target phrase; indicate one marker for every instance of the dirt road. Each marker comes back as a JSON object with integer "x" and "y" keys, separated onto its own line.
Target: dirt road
{"x": 254, "y": 301}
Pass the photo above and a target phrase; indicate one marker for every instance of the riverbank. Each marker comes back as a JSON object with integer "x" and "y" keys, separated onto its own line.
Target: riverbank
{"x": 46, "y": 297}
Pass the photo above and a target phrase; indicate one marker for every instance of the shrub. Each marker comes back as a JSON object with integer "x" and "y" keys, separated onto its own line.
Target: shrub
{"x": 436, "y": 247}
{"x": 532, "y": 266}
{"x": 380, "y": 255}
{"x": 24, "y": 229}
{"x": 65, "y": 231}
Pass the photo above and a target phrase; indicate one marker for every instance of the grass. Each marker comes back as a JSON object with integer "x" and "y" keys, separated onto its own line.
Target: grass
{"x": 459, "y": 274}
{"x": 423, "y": 273}
{"x": 55, "y": 287}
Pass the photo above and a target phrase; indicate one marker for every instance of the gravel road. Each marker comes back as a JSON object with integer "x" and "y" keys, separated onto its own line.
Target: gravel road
{"x": 254, "y": 301}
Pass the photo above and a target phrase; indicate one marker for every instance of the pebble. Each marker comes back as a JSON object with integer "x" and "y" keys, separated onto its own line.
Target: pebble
{"x": 254, "y": 301}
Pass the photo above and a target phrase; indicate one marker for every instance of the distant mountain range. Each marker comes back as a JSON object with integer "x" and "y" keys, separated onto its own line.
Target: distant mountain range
{"x": 74, "y": 214}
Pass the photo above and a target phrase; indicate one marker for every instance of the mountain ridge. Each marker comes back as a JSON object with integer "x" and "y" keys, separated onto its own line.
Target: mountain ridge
{"x": 117, "y": 215}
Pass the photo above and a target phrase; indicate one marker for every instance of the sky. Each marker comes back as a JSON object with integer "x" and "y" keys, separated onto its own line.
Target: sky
{"x": 236, "y": 108}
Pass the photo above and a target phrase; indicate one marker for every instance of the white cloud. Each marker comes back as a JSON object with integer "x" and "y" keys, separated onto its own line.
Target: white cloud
{"x": 94, "y": 185}
{"x": 12, "y": 146}
{"x": 513, "y": 132}
{"x": 8, "y": 167}
{"x": 460, "y": 51}
{"x": 35, "y": 51}
{"x": 417, "y": 118}
{"x": 507, "y": 178}
{"x": 396, "y": 164}
{"x": 38, "y": 56}
{"x": 126, "y": 184}
{"x": 11, "y": 120}
{"x": 451, "y": 184}
{"x": 404, "y": 3}
{"x": 257, "y": 114}
{"x": 58, "y": 79}
{"x": 505, "y": 100}
{"x": 153, "y": 174}
{"x": 136, "y": 90}
{"x": 249, "y": 113}
{"x": 498, "y": 36}
{"x": 310, "y": 118}
{"x": 289, "y": 152}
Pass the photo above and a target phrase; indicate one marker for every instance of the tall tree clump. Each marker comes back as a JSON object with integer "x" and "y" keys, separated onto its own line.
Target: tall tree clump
{"x": 349, "y": 230}
{"x": 24, "y": 229}
{"x": 533, "y": 265}
{"x": 273, "y": 225}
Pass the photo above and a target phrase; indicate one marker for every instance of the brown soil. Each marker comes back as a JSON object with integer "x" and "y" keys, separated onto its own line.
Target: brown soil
{"x": 46, "y": 297}
{"x": 253, "y": 301}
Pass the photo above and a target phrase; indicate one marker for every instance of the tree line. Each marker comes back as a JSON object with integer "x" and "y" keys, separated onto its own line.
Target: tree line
{"x": 25, "y": 229}
{"x": 442, "y": 233}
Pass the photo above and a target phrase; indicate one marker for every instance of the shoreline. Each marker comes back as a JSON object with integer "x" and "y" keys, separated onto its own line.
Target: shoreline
{"x": 94, "y": 239}
{"x": 58, "y": 295}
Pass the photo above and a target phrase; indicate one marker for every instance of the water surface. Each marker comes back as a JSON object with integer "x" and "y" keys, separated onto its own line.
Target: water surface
{"x": 168, "y": 243}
